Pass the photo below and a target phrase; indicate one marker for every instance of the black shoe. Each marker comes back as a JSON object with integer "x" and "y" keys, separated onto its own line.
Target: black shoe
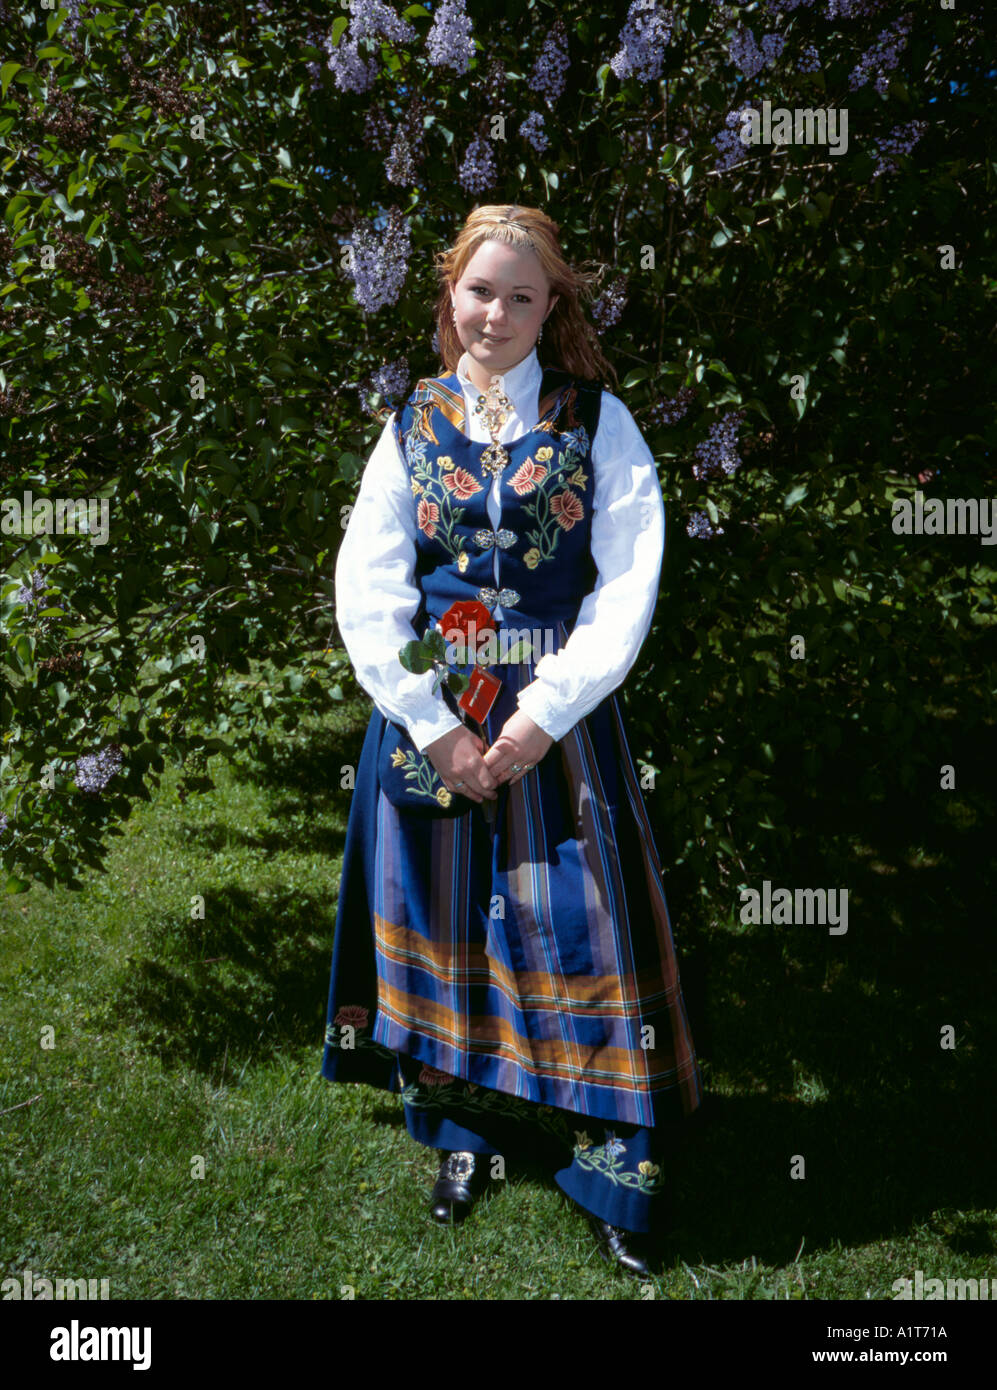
{"x": 628, "y": 1250}
{"x": 457, "y": 1186}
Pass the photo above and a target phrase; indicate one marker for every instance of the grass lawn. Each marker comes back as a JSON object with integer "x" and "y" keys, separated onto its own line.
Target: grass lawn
{"x": 144, "y": 1040}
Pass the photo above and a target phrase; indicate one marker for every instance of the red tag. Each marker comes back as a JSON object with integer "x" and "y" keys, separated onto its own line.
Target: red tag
{"x": 480, "y": 695}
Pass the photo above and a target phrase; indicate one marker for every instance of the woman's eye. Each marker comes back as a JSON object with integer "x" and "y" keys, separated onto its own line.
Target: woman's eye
{"x": 518, "y": 296}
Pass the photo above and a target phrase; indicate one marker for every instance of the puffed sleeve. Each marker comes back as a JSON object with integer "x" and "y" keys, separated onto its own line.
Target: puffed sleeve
{"x": 628, "y": 546}
{"x": 376, "y": 596}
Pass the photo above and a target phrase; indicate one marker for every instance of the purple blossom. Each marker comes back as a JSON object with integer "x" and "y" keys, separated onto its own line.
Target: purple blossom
{"x": 700, "y": 527}
{"x": 851, "y": 9}
{"x": 550, "y": 67}
{"x": 449, "y": 43}
{"x": 809, "y": 59}
{"x": 744, "y": 51}
{"x": 391, "y": 381}
{"x": 669, "y": 412}
{"x": 643, "y": 39}
{"x": 379, "y": 264}
{"x": 728, "y": 141}
{"x": 377, "y": 129}
{"x": 74, "y": 16}
{"x": 3, "y": 821}
{"x": 30, "y": 593}
{"x": 93, "y": 772}
{"x": 608, "y": 308}
{"x": 399, "y": 167}
{"x": 900, "y": 141}
{"x": 718, "y": 454}
{"x": 532, "y": 130}
{"x": 477, "y": 173}
{"x": 883, "y": 57}
{"x": 372, "y": 19}
{"x": 352, "y": 73}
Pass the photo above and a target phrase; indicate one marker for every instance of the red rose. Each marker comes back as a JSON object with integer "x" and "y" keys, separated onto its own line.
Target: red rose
{"x": 461, "y": 617}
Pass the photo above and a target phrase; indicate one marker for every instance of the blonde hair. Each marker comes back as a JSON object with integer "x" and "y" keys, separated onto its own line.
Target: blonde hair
{"x": 569, "y": 341}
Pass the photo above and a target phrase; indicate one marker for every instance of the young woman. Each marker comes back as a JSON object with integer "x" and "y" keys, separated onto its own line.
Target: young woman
{"x": 503, "y": 954}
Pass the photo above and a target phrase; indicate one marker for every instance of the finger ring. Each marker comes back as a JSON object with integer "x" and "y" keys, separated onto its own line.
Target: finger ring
{"x": 458, "y": 784}
{"x": 516, "y": 767}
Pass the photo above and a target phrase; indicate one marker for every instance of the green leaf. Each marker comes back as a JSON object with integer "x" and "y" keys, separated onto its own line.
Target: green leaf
{"x": 6, "y": 74}
{"x": 17, "y": 885}
{"x": 415, "y": 657}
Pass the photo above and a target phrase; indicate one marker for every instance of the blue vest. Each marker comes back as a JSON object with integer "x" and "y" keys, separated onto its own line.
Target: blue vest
{"x": 545, "y": 564}
{"x": 545, "y": 567}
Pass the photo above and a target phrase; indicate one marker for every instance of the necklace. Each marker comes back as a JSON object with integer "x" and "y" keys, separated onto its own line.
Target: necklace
{"x": 494, "y": 407}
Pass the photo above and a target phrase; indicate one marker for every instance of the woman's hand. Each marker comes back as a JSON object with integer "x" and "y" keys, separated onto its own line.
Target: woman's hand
{"x": 457, "y": 758}
{"x": 521, "y": 741}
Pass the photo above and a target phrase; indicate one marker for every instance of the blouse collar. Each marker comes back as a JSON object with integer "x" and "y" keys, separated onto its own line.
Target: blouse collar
{"x": 520, "y": 383}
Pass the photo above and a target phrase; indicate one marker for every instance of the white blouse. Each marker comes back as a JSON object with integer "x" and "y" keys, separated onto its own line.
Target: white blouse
{"x": 376, "y": 596}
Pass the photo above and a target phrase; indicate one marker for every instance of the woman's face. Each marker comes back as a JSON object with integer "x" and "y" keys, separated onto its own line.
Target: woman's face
{"x": 500, "y": 302}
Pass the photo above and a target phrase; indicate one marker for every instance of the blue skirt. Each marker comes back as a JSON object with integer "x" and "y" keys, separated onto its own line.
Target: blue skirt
{"x": 532, "y": 958}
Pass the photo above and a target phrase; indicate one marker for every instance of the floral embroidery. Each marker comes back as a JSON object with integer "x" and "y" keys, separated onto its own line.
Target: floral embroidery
{"x": 461, "y": 483}
{"x": 419, "y": 768}
{"x": 432, "y": 1076}
{"x": 438, "y": 490}
{"x": 606, "y": 1159}
{"x": 467, "y": 1096}
{"x": 527, "y": 476}
{"x": 547, "y": 478}
{"x": 552, "y": 511}
{"x": 567, "y": 509}
{"x": 353, "y": 1016}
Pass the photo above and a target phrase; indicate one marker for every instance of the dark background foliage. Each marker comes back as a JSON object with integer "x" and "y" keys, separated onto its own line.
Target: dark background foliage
{"x": 193, "y": 351}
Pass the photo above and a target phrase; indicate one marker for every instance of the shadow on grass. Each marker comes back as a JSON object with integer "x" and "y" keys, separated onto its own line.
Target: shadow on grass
{"x": 244, "y": 982}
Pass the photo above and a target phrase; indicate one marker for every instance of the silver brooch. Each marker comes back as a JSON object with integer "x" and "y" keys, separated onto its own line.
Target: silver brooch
{"x": 503, "y": 539}
{"x": 505, "y": 598}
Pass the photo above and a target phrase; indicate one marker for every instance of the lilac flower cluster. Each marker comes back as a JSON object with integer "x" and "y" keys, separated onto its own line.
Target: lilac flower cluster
{"x": 379, "y": 264}
{"x": 608, "y": 308}
{"x": 93, "y": 772}
{"x": 900, "y": 141}
{"x": 701, "y": 529}
{"x": 728, "y": 141}
{"x": 391, "y": 381}
{"x": 671, "y": 411}
{"x": 744, "y": 51}
{"x": 377, "y": 129}
{"x": 400, "y": 165}
{"x": 851, "y": 9}
{"x": 883, "y": 57}
{"x": 549, "y": 69}
{"x": 809, "y": 59}
{"x": 449, "y": 43}
{"x": 532, "y": 130}
{"x": 73, "y": 17}
{"x": 371, "y": 20}
{"x": 3, "y": 821}
{"x": 718, "y": 454}
{"x": 477, "y": 173}
{"x": 643, "y": 39}
{"x": 30, "y": 594}
{"x": 351, "y": 72}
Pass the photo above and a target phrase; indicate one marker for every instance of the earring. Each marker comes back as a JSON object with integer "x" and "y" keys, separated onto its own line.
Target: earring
{"x": 540, "y": 334}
